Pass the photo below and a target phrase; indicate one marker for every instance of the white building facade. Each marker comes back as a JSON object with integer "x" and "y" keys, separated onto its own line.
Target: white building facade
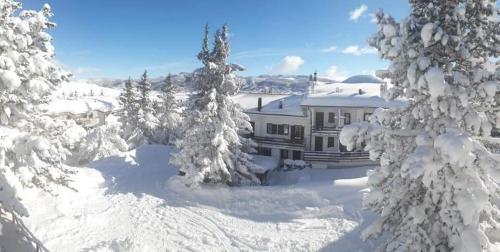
{"x": 307, "y": 127}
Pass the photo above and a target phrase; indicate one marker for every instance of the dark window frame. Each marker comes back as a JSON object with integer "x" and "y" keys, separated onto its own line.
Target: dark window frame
{"x": 331, "y": 117}
{"x": 297, "y": 155}
{"x": 347, "y": 118}
{"x": 330, "y": 142}
{"x": 272, "y": 129}
{"x": 366, "y": 116}
{"x": 284, "y": 153}
{"x": 283, "y": 129}
{"x": 264, "y": 151}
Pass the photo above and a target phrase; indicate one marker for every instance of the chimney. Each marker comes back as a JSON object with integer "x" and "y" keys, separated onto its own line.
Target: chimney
{"x": 259, "y": 104}
{"x": 281, "y": 104}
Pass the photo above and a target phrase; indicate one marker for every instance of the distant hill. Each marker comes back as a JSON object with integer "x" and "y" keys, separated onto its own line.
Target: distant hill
{"x": 363, "y": 79}
{"x": 258, "y": 84}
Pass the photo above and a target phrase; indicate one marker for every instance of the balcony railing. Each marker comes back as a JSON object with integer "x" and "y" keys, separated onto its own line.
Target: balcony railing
{"x": 280, "y": 141}
{"x": 323, "y": 129}
{"x": 336, "y": 156}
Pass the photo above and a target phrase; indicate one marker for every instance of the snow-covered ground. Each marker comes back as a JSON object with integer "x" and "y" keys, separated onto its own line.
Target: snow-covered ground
{"x": 123, "y": 203}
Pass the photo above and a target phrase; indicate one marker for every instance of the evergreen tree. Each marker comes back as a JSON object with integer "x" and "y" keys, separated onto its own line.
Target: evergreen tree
{"x": 168, "y": 112}
{"x": 211, "y": 149}
{"x": 128, "y": 115}
{"x": 146, "y": 120}
{"x": 31, "y": 147}
{"x": 433, "y": 190}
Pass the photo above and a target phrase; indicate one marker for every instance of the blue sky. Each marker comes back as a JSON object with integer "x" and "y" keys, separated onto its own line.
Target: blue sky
{"x": 118, "y": 38}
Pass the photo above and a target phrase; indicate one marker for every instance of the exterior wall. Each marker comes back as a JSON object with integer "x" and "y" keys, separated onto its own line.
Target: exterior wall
{"x": 308, "y": 121}
{"x": 260, "y": 123}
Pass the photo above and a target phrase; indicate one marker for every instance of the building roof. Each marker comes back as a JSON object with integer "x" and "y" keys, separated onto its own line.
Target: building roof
{"x": 291, "y": 105}
{"x": 78, "y": 106}
{"x": 348, "y": 95}
{"x": 324, "y": 95}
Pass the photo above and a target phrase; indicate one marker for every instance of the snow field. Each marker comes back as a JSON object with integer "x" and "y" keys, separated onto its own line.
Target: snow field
{"x": 123, "y": 204}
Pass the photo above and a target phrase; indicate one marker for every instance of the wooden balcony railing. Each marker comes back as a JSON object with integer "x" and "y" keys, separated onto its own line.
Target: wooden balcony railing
{"x": 336, "y": 156}
{"x": 280, "y": 141}
{"x": 319, "y": 129}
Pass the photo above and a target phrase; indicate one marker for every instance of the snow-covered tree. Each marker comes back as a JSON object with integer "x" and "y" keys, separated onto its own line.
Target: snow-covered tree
{"x": 211, "y": 149}
{"x": 167, "y": 112}
{"x": 31, "y": 151}
{"x": 146, "y": 120}
{"x": 433, "y": 189}
{"x": 128, "y": 115}
{"x": 102, "y": 141}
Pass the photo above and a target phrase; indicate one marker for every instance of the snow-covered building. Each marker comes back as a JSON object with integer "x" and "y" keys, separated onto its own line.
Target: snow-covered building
{"x": 87, "y": 112}
{"x": 307, "y": 127}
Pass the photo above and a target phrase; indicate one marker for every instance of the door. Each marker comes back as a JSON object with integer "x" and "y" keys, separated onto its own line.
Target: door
{"x": 318, "y": 143}
{"x": 292, "y": 132}
{"x": 320, "y": 117}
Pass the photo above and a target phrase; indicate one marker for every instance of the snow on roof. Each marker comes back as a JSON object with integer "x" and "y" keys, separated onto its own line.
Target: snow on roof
{"x": 78, "y": 106}
{"x": 348, "y": 95}
{"x": 290, "y": 105}
{"x": 248, "y": 101}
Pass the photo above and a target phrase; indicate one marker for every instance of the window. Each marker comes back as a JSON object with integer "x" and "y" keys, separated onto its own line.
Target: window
{"x": 331, "y": 117}
{"x": 298, "y": 132}
{"x": 331, "y": 142}
{"x": 366, "y": 116}
{"x": 296, "y": 155}
{"x": 283, "y": 129}
{"x": 347, "y": 118}
{"x": 264, "y": 151}
{"x": 272, "y": 129}
{"x": 284, "y": 154}
{"x": 280, "y": 129}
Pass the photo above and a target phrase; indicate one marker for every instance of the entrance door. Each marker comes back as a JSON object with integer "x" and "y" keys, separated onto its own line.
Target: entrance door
{"x": 320, "y": 117}
{"x": 318, "y": 143}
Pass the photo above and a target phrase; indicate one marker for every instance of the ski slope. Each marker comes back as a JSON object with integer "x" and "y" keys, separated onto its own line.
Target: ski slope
{"x": 122, "y": 203}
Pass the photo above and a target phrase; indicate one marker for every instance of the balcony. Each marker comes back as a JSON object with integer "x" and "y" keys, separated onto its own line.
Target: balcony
{"x": 326, "y": 130}
{"x": 336, "y": 157}
{"x": 280, "y": 141}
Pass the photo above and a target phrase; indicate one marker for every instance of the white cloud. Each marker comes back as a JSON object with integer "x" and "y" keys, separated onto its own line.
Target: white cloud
{"x": 289, "y": 64}
{"x": 334, "y": 74}
{"x": 358, "y": 12}
{"x": 329, "y": 49}
{"x": 355, "y": 50}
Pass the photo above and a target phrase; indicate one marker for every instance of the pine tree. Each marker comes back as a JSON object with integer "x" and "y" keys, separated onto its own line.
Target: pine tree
{"x": 31, "y": 147}
{"x": 146, "y": 120}
{"x": 433, "y": 190}
{"x": 168, "y": 112}
{"x": 128, "y": 115}
{"x": 211, "y": 149}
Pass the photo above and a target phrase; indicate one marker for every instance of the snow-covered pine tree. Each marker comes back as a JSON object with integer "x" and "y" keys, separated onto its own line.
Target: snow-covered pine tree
{"x": 31, "y": 151}
{"x": 102, "y": 141}
{"x": 146, "y": 120}
{"x": 433, "y": 189}
{"x": 211, "y": 149}
{"x": 128, "y": 115}
{"x": 168, "y": 112}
